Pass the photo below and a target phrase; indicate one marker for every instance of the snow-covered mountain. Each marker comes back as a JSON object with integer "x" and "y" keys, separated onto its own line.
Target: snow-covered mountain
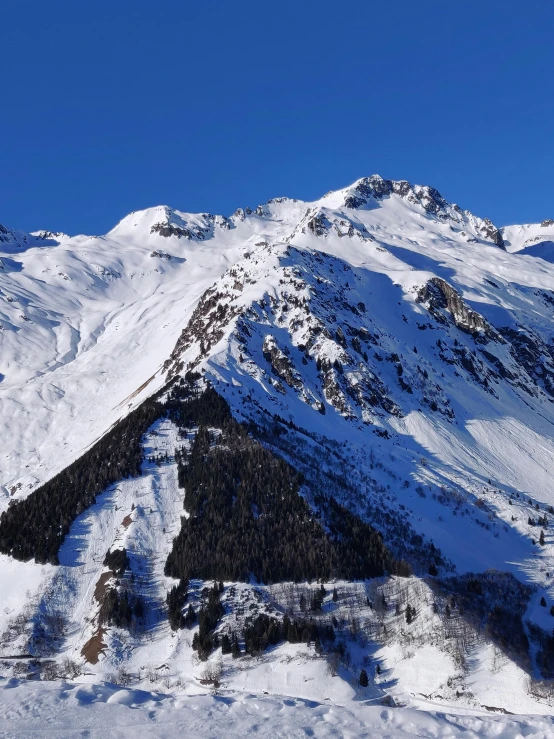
{"x": 396, "y": 350}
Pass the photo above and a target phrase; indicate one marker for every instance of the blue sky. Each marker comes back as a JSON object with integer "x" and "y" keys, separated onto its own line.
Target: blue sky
{"x": 109, "y": 107}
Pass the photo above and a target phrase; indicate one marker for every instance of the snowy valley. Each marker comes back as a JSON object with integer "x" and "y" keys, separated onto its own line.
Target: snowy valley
{"x": 290, "y": 470}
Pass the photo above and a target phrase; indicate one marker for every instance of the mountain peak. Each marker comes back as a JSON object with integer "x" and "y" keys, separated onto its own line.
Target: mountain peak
{"x": 376, "y": 187}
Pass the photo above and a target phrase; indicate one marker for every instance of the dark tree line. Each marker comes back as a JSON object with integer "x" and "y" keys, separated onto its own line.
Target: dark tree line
{"x": 175, "y": 601}
{"x": 265, "y": 631}
{"x": 247, "y": 517}
{"x": 36, "y": 527}
{"x": 208, "y": 617}
{"x": 259, "y": 633}
{"x": 187, "y": 407}
{"x": 545, "y": 649}
{"x": 495, "y": 602}
{"x": 404, "y": 544}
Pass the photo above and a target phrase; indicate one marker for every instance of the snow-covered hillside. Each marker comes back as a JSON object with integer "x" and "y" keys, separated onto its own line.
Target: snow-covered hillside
{"x": 395, "y": 349}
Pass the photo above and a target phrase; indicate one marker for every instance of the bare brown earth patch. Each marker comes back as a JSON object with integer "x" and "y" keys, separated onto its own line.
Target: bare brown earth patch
{"x": 94, "y": 647}
{"x": 101, "y": 585}
{"x": 127, "y": 521}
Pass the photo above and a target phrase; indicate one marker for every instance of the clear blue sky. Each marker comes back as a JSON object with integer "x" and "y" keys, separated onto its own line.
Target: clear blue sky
{"x": 112, "y": 106}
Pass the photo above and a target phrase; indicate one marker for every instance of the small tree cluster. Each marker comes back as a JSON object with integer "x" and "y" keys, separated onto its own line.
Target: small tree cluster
{"x": 117, "y": 561}
{"x": 264, "y": 631}
{"x": 175, "y": 601}
{"x": 204, "y": 641}
{"x": 120, "y": 609}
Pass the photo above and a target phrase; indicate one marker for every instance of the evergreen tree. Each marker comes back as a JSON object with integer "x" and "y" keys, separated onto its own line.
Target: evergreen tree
{"x": 235, "y": 647}
{"x": 364, "y": 680}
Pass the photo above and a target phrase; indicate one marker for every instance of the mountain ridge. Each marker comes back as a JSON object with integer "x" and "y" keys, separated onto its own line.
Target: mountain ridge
{"x": 397, "y": 351}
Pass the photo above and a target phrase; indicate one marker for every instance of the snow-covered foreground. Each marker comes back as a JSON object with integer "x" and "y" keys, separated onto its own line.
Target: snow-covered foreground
{"x": 29, "y": 710}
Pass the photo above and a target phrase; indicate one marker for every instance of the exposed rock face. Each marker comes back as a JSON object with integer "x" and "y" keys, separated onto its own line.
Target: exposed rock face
{"x": 318, "y": 225}
{"x": 370, "y": 187}
{"x": 206, "y": 327}
{"x": 438, "y": 295}
{"x": 201, "y": 230}
{"x": 166, "y": 229}
{"x": 534, "y": 355}
{"x": 527, "y": 363}
{"x": 50, "y": 236}
{"x": 321, "y": 223}
{"x": 280, "y": 363}
{"x": 547, "y": 222}
{"x": 489, "y": 231}
{"x": 376, "y": 187}
{"x": 428, "y": 198}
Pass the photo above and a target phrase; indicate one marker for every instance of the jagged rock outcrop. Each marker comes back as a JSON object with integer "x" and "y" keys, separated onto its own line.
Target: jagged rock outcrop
{"x": 280, "y": 363}
{"x": 491, "y": 232}
{"x": 206, "y": 327}
{"x": 376, "y": 187}
{"x": 166, "y": 230}
{"x": 438, "y": 296}
{"x": 428, "y": 198}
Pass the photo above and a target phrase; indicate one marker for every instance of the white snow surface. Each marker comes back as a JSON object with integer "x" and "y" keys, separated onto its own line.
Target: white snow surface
{"x": 86, "y": 325}
{"x": 97, "y": 711}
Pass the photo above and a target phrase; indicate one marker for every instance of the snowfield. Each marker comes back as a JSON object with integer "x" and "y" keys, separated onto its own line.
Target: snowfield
{"x": 403, "y": 347}
{"x": 67, "y": 710}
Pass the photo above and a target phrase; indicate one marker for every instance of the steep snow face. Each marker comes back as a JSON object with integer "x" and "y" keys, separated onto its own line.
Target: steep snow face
{"x": 401, "y": 346}
{"x": 88, "y": 323}
{"x": 453, "y": 409}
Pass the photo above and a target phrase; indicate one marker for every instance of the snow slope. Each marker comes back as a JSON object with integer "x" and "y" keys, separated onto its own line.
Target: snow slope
{"x": 48, "y": 710}
{"x": 407, "y": 343}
